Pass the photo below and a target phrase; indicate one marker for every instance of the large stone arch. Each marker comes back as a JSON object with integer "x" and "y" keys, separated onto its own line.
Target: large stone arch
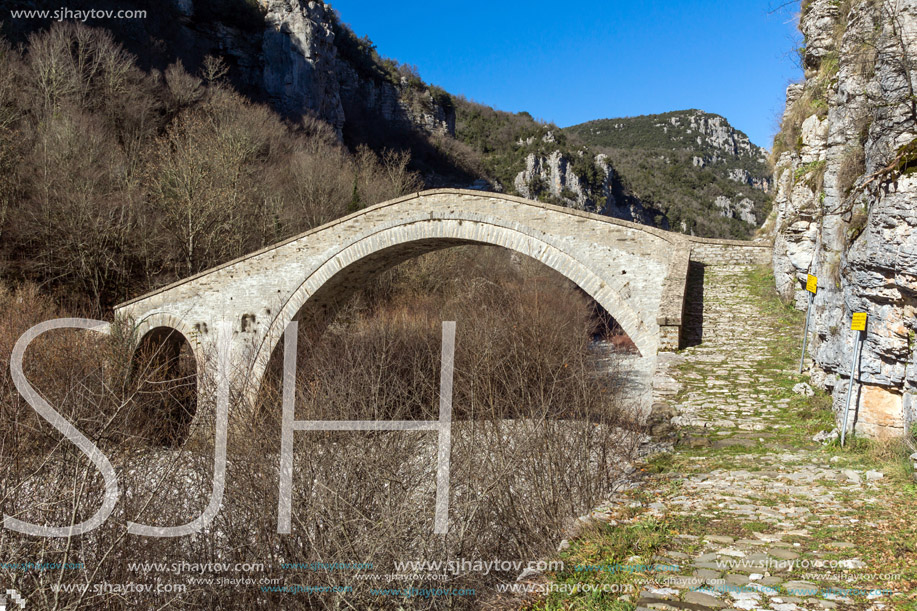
{"x": 636, "y": 273}
{"x": 417, "y": 235}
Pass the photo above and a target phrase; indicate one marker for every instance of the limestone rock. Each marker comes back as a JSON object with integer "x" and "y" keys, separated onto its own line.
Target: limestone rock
{"x": 660, "y": 419}
{"x": 839, "y": 217}
{"x": 296, "y": 63}
{"x": 743, "y": 176}
{"x": 744, "y": 209}
{"x": 554, "y": 174}
{"x": 552, "y": 178}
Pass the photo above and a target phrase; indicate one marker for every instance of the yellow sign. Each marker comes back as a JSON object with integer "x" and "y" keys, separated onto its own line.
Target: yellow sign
{"x": 811, "y": 283}
{"x": 858, "y": 321}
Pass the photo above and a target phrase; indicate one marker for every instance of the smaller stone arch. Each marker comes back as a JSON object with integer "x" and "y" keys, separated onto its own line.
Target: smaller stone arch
{"x": 157, "y": 319}
{"x": 166, "y": 367}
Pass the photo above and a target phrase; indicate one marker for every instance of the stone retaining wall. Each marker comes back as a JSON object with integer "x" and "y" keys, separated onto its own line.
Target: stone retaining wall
{"x": 730, "y": 252}
{"x": 706, "y": 252}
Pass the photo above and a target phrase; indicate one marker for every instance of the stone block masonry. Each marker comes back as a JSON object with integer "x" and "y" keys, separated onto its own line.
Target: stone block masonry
{"x": 637, "y": 273}
{"x": 730, "y": 252}
{"x": 706, "y": 252}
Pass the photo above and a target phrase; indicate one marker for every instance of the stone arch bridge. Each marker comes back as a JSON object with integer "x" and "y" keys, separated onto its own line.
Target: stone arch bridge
{"x": 637, "y": 273}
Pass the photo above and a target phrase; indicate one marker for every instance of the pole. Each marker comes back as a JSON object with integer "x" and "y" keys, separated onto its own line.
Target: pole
{"x": 805, "y": 334}
{"x": 853, "y": 363}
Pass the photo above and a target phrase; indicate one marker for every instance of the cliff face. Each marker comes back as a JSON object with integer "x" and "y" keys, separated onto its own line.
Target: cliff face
{"x": 554, "y": 177}
{"x": 846, "y": 201}
{"x": 303, "y": 71}
{"x": 554, "y": 174}
{"x": 293, "y": 54}
{"x": 299, "y": 60}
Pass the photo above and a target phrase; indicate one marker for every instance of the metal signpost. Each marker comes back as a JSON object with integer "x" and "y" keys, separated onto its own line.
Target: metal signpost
{"x": 811, "y": 287}
{"x": 858, "y": 324}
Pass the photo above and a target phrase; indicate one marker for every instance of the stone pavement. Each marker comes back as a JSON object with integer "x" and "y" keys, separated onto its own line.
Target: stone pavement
{"x": 759, "y": 515}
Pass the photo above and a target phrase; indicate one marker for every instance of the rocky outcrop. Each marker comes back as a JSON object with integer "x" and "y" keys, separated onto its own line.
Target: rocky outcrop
{"x": 403, "y": 107}
{"x": 303, "y": 72}
{"x": 745, "y": 177}
{"x": 846, "y": 201}
{"x": 553, "y": 178}
{"x": 299, "y": 59}
{"x": 622, "y": 205}
{"x": 743, "y": 209}
{"x": 716, "y": 132}
{"x": 551, "y": 174}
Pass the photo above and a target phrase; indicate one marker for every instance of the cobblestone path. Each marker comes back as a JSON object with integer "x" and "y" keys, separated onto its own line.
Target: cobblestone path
{"x": 748, "y": 512}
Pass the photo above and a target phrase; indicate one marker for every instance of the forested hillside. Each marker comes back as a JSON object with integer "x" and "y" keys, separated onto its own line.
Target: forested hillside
{"x": 707, "y": 177}
{"x": 212, "y": 129}
{"x": 115, "y": 180}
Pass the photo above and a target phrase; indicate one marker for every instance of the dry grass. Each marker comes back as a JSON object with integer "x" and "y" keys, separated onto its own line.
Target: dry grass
{"x": 852, "y": 167}
{"x": 811, "y": 102}
{"x": 539, "y": 436}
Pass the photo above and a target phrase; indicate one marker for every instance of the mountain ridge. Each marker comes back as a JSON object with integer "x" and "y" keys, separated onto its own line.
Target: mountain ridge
{"x": 690, "y": 164}
{"x": 305, "y": 61}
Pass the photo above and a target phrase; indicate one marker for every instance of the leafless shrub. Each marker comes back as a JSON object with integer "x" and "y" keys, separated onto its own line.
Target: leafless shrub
{"x": 540, "y": 434}
{"x": 214, "y": 70}
{"x": 72, "y": 63}
{"x": 531, "y": 411}
{"x": 184, "y": 88}
{"x": 94, "y": 154}
{"x": 378, "y": 180}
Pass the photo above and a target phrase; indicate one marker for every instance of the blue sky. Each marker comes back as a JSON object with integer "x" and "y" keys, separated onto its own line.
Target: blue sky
{"x": 578, "y": 60}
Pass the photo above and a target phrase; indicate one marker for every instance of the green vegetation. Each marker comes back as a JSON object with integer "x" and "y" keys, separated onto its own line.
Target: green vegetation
{"x": 652, "y": 167}
{"x": 500, "y": 138}
{"x": 812, "y": 101}
{"x": 906, "y": 158}
{"x": 591, "y": 559}
{"x": 661, "y": 163}
{"x": 814, "y": 175}
{"x": 503, "y": 140}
